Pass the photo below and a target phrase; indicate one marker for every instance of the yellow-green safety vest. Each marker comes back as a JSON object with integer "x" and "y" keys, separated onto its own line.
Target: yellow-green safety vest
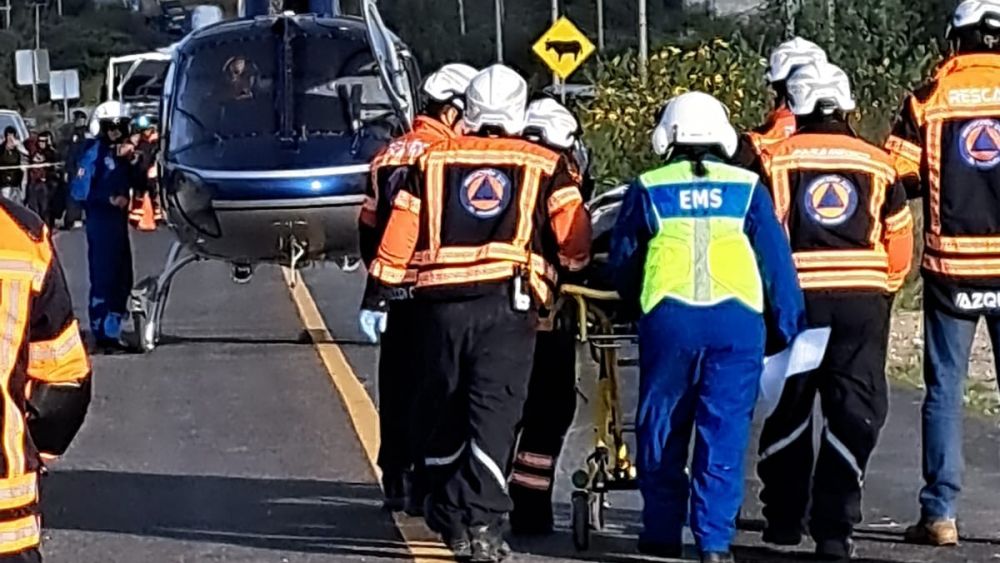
{"x": 700, "y": 255}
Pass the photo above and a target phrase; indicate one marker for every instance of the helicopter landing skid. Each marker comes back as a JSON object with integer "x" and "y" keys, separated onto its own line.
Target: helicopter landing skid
{"x": 148, "y": 300}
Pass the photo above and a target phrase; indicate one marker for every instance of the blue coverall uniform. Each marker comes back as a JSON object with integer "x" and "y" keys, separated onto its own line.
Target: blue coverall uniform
{"x": 704, "y": 258}
{"x": 109, "y": 252}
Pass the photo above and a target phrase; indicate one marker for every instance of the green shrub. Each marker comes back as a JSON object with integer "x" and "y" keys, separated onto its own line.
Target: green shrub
{"x": 619, "y": 121}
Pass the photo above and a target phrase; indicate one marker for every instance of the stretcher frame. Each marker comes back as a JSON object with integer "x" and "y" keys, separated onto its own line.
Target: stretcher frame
{"x": 609, "y": 467}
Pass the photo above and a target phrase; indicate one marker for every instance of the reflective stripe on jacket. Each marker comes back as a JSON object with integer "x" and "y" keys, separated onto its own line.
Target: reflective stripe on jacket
{"x": 844, "y": 210}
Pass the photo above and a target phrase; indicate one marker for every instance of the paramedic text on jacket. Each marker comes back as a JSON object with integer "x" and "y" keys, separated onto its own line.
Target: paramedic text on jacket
{"x": 698, "y": 247}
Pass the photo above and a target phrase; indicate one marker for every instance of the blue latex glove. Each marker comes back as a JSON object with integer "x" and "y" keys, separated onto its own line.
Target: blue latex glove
{"x": 373, "y": 324}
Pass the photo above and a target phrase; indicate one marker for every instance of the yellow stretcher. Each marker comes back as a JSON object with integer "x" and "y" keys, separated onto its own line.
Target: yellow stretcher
{"x": 609, "y": 468}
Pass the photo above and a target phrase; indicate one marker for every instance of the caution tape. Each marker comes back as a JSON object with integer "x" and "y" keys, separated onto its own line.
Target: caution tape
{"x": 30, "y": 166}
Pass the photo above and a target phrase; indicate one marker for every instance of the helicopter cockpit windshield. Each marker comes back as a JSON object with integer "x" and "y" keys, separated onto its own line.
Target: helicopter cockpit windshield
{"x": 281, "y": 97}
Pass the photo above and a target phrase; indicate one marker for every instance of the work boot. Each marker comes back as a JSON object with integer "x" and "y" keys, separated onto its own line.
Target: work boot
{"x": 941, "y": 532}
{"x": 459, "y": 544}
{"x": 664, "y": 550}
{"x": 835, "y": 549}
{"x": 717, "y": 557}
{"x": 487, "y": 545}
{"x": 789, "y": 536}
{"x": 394, "y": 493}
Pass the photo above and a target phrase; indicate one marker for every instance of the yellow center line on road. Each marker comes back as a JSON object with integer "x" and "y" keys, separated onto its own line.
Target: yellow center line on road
{"x": 422, "y": 544}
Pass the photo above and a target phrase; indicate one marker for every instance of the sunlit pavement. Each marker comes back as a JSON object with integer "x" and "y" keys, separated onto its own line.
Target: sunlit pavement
{"x": 232, "y": 443}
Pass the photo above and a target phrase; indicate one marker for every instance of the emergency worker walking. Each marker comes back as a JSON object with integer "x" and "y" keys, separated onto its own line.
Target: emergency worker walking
{"x": 144, "y": 209}
{"x": 102, "y": 184}
{"x": 41, "y": 179}
{"x": 698, "y": 248}
{"x": 551, "y": 403}
{"x": 851, "y": 235}
{"x": 443, "y": 101}
{"x": 46, "y": 375}
{"x": 946, "y": 147}
{"x": 481, "y": 222}
{"x": 12, "y": 156}
{"x": 784, "y": 60}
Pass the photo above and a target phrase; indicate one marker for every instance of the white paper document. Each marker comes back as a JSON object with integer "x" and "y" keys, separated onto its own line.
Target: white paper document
{"x": 805, "y": 354}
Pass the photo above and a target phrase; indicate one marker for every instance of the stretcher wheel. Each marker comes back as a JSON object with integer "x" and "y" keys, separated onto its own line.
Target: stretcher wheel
{"x": 145, "y": 332}
{"x": 581, "y": 520}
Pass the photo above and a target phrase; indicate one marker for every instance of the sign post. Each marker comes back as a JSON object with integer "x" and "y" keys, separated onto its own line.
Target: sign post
{"x": 563, "y": 48}
{"x": 31, "y": 69}
{"x": 64, "y": 85}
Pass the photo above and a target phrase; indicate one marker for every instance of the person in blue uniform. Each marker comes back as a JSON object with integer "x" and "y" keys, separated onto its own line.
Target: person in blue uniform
{"x": 698, "y": 249}
{"x": 102, "y": 185}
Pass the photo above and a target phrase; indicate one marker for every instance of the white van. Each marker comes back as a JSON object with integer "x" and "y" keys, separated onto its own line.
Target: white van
{"x": 11, "y": 118}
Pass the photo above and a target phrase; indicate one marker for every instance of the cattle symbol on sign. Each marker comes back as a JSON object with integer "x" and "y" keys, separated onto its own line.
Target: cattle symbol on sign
{"x": 563, "y": 48}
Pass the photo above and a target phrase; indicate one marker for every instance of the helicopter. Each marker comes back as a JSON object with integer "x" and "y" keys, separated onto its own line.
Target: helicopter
{"x": 268, "y": 125}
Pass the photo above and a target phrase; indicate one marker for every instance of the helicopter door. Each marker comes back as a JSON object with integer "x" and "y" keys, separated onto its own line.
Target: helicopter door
{"x": 385, "y": 49}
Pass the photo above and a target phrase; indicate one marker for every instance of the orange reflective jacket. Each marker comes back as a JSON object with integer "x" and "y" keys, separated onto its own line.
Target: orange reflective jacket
{"x": 946, "y": 143}
{"x": 844, "y": 210}
{"x": 401, "y": 153}
{"x": 485, "y": 210}
{"x": 779, "y": 126}
{"x": 46, "y": 373}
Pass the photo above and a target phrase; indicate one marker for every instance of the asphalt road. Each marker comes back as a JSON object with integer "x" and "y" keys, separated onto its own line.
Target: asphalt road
{"x": 229, "y": 443}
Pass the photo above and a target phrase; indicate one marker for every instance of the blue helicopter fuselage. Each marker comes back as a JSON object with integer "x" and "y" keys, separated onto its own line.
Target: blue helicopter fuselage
{"x": 269, "y": 127}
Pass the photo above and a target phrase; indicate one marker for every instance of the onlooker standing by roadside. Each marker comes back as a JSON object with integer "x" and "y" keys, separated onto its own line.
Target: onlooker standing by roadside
{"x": 41, "y": 177}
{"x": 12, "y": 155}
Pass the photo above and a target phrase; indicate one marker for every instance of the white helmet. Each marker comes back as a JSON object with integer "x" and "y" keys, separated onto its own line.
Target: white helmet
{"x": 819, "y": 82}
{"x": 694, "y": 118}
{"x": 792, "y": 54}
{"x": 496, "y": 97}
{"x": 974, "y": 12}
{"x": 104, "y": 112}
{"x": 552, "y": 123}
{"x": 448, "y": 84}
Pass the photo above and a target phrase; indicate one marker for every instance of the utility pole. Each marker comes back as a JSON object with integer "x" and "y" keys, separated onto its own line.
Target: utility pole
{"x": 831, "y": 21}
{"x": 34, "y": 56}
{"x": 6, "y": 14}
{"x": 555, "y": 16}
{"x": 498, "y": 4}
{"x": 790, "y": 12}
{"x": 461, "y": 17}
{"x": 600, "y": 26}
{"x": 643, "y": 41}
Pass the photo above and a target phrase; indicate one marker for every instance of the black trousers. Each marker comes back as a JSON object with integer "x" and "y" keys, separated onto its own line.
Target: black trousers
{"x": 478, "y": 362}
{"x": 399, "y": 378}
{"x": 853, "y": 393}
{"x": 548, "y": 415}
{"x": 38, "y": 199}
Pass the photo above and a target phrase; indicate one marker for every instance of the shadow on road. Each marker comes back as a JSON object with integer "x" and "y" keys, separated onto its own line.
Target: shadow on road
{"x": 282, "y": 515}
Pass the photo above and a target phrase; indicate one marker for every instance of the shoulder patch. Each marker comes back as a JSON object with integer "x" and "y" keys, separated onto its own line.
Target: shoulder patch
{"x": 31, "y": 224}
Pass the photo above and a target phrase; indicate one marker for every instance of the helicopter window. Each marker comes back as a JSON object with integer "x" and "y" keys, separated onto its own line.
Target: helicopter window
{"x": 225, "y": 92}
{"x": 227, "y": 104}
{"x": 337, "y": 88}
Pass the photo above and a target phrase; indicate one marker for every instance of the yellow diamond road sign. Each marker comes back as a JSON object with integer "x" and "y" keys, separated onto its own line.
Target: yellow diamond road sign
{"x": 563, "y": 48}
